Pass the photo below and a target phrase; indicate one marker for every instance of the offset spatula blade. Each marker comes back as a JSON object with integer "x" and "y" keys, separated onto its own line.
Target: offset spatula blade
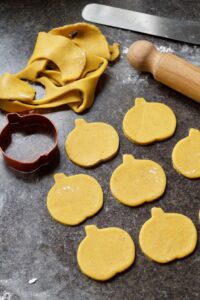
{"x": 184, "y": 31}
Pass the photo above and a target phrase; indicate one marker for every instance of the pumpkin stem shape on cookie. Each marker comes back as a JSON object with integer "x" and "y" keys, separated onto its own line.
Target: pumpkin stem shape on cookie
{"x": 105, "y": 252}
{"x": 73, "y": 199}
{"x": 136, "y": 181}
{"x": 167, "y": 236}
{"x": 186, "y": 155}
{"x": 89, "y": 144}
{"x": 80, "y": 122}
{"x": 148, "y": 122}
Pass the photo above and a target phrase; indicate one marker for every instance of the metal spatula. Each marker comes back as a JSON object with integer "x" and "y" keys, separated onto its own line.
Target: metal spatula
{"x": 179, "y": 30}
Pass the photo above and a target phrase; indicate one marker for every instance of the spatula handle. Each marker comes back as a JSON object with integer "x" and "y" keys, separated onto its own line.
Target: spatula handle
{"x": 169, "y": 69}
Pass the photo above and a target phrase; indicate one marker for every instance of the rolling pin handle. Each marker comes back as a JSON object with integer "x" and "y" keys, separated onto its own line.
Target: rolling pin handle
{"x": 143, "y": 56}
{"x": 167, "y": 68}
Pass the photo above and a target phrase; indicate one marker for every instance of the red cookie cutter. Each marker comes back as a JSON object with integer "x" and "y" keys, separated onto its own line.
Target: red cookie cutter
{"x": 25, "y": 122}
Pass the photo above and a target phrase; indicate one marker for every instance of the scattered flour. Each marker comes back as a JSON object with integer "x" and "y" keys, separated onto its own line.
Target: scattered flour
{"x": 2, "y": 202}
{"x": 33, "y": 280}
{"x": 138, "y": 78}
{"x": 187, "y": 48}
{"x": 5, "y": 296}
{"x": 124, "y": 50}
{"x": 164, "y": 49}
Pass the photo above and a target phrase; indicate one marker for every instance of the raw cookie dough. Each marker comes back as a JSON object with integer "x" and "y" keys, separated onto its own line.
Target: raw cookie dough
{"x": 91, "y": 143}
{"x": 136, "y": 181}
{"x": 105, "y": 252}
{"x": 167, "y": 236}
{"x": 68, "y": 62}
{"x": 147, "y": 122}
{"x": 12, "y": 88}
{"x": 73, "y": 199}
{"x": 186, "y": 155}
{"x": 89, "y": 38}
{"x": 62, "y": 59}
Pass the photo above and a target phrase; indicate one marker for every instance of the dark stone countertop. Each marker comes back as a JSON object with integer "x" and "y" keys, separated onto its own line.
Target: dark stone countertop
{"x": 32, "y": 244}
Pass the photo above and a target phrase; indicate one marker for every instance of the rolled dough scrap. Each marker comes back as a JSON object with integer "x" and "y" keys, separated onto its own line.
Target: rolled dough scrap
{"x": 91, "y": 143}
{"x": 75, "y": 198}
{"x": 69, "y": 58}
{"x": 56, "y": 96}
{"x": 105, "y": 252}
{"x": 186, "y": 155}
{"x": 148, "y": 122}
{"x": 12, "y": 88}
{"x": 89, "y": 38}
{"x": 68, "y": 63}
{"x": 136, "y": 181}
{"x": 167, "y": 236}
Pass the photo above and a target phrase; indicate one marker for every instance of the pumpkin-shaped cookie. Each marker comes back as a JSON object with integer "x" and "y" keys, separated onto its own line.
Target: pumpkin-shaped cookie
{"x": 73, "y": 199}
{"x": 186, "y": 155}
{"x": 136, "y": 181}
{"x": 105, "y": 252}
{"x": 91, "y": 143}
{"x": 167, "y": 236}
{"x": 148, "y": 122}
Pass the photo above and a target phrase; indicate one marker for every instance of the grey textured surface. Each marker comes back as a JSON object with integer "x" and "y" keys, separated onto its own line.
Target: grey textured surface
{"x": 32, "y": 244}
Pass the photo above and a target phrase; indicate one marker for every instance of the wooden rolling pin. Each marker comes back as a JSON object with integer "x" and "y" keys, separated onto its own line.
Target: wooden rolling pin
{"x": 167, "y": 68}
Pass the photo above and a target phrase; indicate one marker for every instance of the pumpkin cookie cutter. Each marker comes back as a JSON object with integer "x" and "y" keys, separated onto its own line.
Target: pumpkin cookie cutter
{"x": 25, "y": 122}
